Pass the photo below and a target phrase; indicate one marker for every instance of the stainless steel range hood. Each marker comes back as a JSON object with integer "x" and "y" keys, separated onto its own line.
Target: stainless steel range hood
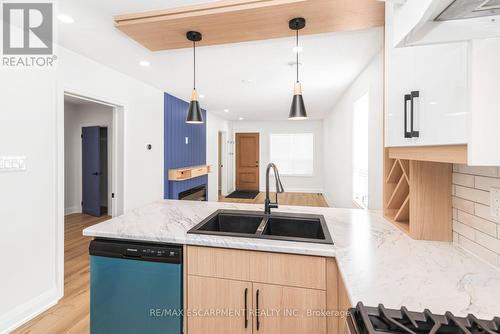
{"x": 465, "y": 9}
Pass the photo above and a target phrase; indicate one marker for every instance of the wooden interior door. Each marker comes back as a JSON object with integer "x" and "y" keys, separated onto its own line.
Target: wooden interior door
{"x": 206, "y": 294}
{"x": 247, "y": 161}
{"x": 284, "y": 309}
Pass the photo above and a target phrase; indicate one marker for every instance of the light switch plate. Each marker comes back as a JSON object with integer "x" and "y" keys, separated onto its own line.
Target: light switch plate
{"x": 187, "y": 140}
{"x": 12, "y": 164}
{"x": 495, "y": 202}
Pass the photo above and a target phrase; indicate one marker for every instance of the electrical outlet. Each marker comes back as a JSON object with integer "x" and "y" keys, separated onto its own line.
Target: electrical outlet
{"x": 495, "y": 202}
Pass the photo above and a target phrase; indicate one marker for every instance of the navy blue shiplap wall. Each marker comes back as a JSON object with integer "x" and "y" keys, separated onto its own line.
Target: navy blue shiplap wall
{"x": 179, "y": 154}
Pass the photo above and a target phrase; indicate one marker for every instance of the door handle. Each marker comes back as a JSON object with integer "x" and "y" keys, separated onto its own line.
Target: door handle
{"x": 414, "y": 95}
{"x": 246, "y": 308}
{"x": 407, "y": 133}
{"x": 257, "y": 309}
{"x": 96, "y": 174}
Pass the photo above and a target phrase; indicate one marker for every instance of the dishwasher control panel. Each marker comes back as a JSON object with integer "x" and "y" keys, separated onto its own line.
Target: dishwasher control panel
{"x": 136, "y": 251}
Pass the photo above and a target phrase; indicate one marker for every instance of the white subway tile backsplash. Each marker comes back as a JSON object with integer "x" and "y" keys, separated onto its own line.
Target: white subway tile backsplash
{"x": 464, "y": 230}
{"x": 465, "y": 180}
{"x": 474, "y": 228}
{"x": 463, "y": 204}
{"x": 475, "y": 170}
{"x": 485, "y": 183}
{"x": 483, "y": 211}
{"x": 474, "y": 195}
{"x": 492, "y": 243}
{"x": 478, "y": 223}
{"x": 480, "y": 251}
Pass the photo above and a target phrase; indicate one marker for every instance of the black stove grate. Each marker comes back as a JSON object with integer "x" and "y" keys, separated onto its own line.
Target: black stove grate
{"x": 375, "y": 320}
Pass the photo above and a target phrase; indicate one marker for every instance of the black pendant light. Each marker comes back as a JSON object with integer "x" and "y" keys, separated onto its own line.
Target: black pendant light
{"x": 194, "y": 115}
{"x": 298, "y": 109}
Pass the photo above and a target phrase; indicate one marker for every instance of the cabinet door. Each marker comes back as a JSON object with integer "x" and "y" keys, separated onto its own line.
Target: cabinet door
{"x": 441, "y": 77}
{"x": 399, "y": 80}
{"x": 288, "y": 310}
{"x": 439, "y": 73}
{"x": 344, "y": 305}
{"x": 217, "y": 306}
{"x": 485, "y": 116}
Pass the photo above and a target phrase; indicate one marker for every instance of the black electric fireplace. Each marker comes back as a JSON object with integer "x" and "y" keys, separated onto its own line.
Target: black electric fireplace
{"x": 194, "y": 194}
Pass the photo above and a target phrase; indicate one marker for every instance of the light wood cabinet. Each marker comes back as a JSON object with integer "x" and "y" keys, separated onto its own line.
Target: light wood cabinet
{"x": 219, "y": 306}
{"x": 282, "y": 309}
{"x": 290, "y": 293}
{"x": 410, "y": 186}
{"x": 344, "y": 305}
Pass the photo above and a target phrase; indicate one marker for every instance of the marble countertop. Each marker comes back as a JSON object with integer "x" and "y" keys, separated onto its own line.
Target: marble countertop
{"x": 379, "y": 263}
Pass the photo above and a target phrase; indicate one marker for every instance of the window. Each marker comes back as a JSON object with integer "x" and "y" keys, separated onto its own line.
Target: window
{"x": 360, "y": 151}
{"x": 293, "y": 153}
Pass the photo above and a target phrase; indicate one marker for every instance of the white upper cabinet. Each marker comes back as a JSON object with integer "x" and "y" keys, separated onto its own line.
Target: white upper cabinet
{"x": 420, "y": 22}
{"x": 484, "y": 142}
{"x": 426, "y": 92}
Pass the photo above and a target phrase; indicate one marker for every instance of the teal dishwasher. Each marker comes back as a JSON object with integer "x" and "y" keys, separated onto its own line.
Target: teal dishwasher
{"x": 135, "y": 288}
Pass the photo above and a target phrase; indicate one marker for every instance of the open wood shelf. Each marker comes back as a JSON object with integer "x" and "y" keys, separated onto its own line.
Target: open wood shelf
{"x": 417, "y": 197}
{"x": 186, "y": 173}
{"x": 405, "y": 166}
{"x": 403, "y": 214}
{"x": 395, "y": 172}
{"x": 401, "y": 192}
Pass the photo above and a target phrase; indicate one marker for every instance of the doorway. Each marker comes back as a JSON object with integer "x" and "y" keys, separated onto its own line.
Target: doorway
{"x": 247, "y": 161}
{"x": 88, "y": 150}
{"x": 95, "y": 171}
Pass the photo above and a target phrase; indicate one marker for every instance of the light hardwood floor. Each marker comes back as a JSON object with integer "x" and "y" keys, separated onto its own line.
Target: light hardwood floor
{"x": 302, "y": 199}
{"x": 71, "y": 314}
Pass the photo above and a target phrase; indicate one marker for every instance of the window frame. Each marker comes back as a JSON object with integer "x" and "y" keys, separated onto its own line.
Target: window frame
{"x": 313, "y": 173}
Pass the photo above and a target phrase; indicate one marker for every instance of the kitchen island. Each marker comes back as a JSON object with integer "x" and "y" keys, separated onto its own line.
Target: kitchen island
{"x": 376, "y": 261}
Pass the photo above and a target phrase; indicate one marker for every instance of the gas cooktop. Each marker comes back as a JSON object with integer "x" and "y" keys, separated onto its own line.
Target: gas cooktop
{"x": 374, "y": 320}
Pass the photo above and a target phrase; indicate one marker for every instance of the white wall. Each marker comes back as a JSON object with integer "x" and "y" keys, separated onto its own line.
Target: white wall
{"x": 338, "y": 140}
{"x": 215, "y": 124}
{"x": 313, "y": 184}
{"x": 76, "y": 117}
{"x": 31, "y": 202}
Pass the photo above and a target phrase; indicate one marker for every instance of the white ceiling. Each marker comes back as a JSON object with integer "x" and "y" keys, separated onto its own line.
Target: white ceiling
{"x": 253, "y": 80}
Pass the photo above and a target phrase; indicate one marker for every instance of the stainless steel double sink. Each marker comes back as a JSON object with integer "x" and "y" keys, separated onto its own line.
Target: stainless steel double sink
{"x": 278, "y": 226}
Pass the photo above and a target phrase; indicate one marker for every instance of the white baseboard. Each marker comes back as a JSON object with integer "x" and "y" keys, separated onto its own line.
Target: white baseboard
{"x": 72, "y": 209}
{"x": 28, "y": 310}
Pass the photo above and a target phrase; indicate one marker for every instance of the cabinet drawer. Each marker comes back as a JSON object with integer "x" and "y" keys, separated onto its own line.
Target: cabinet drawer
{"x": 199, "y": 171}
{"x": 272, "y": 268}
{"x": 218, "y": 262}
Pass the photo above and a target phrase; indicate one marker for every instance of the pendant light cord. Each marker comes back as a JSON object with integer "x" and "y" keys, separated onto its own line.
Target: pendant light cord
{"x": 194, "y": 65}
{"x": 297, "y": 50}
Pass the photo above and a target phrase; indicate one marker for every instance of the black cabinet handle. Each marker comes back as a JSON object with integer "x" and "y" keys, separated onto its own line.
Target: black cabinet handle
{"x": 414, "y": 95}
{"x": 407, "y": 99}
{"x": 246, "y": 308}
{"x": 257, "y": 309}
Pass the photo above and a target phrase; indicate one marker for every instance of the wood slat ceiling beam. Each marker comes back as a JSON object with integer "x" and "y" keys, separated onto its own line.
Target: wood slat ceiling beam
{"x": 234, "y": 21}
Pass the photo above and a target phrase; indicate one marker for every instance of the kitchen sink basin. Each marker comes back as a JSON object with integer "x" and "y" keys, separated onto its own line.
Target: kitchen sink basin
{"x": 278, "y": 226}
{"x": 232, "y": 223}
{"x": 294, "y": 227}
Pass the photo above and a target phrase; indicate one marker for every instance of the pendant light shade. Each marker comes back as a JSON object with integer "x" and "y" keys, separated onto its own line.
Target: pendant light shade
{"x": 298, "y": 108}
{"x": 194, "y": 115}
